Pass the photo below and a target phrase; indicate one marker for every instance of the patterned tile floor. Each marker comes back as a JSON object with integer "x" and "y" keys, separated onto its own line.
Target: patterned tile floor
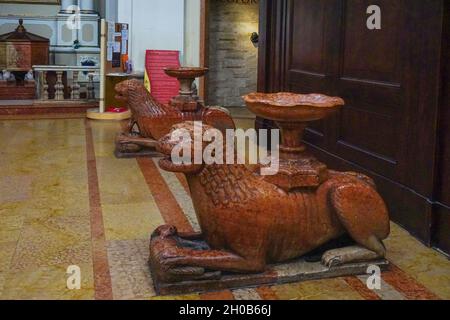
{"x": 65, "y": 200}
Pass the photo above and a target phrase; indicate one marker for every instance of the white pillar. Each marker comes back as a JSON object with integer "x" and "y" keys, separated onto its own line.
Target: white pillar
{"x": 87, "y": 6}
{"x": 192, "y": 19}
{"x": 65, "y": 5}
{"x": 111, "y": 10}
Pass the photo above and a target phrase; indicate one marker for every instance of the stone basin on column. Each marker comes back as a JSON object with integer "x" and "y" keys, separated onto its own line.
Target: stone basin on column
{"x": 292, "y": 113}
{"x": 186, "y": 100}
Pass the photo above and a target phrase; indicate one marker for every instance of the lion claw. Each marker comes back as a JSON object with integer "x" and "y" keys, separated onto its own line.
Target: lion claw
{"x": 122, "y": 138}
{"x": 330, "y": 259}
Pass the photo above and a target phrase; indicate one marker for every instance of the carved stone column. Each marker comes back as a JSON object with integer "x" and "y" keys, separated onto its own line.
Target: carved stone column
{"x": 44, "y": 86}
{"x": 91, "y": 87}
{"x": 75, "y": 86}
{"x": 59, "y": 86}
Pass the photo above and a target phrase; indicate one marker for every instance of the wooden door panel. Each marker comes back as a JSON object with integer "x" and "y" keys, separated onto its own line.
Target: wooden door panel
{"x": 385, "y": 76}
{"x": 379, "y": 98}
{"x": 368, "y": 146}
{"x": 372, "y": 55}
{"x": 443, "y": 188}
{"x": 370, "y": 81}
{"x": 368, "y": 130}
{"x": 312, "y": 43}
{"x": 308, "y": 35}
{"x": 392, "y": 82}
{"x": 308, "y": 82}
{"x": 311, "y": 51}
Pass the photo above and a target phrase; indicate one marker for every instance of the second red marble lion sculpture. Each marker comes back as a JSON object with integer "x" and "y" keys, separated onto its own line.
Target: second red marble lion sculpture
{"x": 153, "y": 119}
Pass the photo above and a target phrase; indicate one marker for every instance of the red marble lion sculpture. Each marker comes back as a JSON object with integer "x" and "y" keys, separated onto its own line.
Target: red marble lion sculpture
{"x": 153, "y": 119}
{"x": 249, "y": 223}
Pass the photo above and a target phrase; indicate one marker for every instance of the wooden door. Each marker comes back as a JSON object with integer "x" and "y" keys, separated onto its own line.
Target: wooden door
{"x": 389, "y": 79}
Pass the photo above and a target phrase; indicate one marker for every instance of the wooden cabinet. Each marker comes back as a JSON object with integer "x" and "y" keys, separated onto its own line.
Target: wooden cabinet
{"x": 395, "y": 126}
{"x": 20, "y": 50}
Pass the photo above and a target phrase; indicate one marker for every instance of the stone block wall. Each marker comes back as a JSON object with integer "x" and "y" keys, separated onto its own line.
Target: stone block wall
{"x": 233, "y": 59}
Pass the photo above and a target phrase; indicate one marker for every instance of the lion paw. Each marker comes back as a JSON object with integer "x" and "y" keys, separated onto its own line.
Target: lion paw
{"x": 332, "y": 258}
{"x": 123, "y": 138}
{"x": 347, "y": 255}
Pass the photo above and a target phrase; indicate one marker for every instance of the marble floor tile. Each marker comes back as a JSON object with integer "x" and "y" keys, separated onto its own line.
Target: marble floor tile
{"x": 2, "y": 282}
{"x": 42, "y": 283}
{"x": 10, "y": 224}
{"x": 131, "y": 221}
{"x": 53, "y": 241}
{"x": 129, "y": 269}
{"x": 15, "y": 188}
{"x": 329, "y": 289}
{"x": 427, "y": 266}
{"x": 189, "y": 297}
{"x": 103, "y": 133}
{"x": 386, "y": 291}
{"x": 224, "y": 295}
{"x": 246, "y": 294}
{"x": 121, "y": 182}
{"x": 7, "y": 250}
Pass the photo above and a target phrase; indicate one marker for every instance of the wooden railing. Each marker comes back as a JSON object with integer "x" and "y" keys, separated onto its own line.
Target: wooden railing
{"x": 62, "y": 83}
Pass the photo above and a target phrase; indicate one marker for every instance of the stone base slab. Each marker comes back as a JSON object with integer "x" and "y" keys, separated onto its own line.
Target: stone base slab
{"x": 143, "y": 153}
{"x": 291, "y": 272}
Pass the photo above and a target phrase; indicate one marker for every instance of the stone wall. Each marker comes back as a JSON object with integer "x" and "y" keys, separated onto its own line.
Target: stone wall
{"x": 233, "y": 59}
